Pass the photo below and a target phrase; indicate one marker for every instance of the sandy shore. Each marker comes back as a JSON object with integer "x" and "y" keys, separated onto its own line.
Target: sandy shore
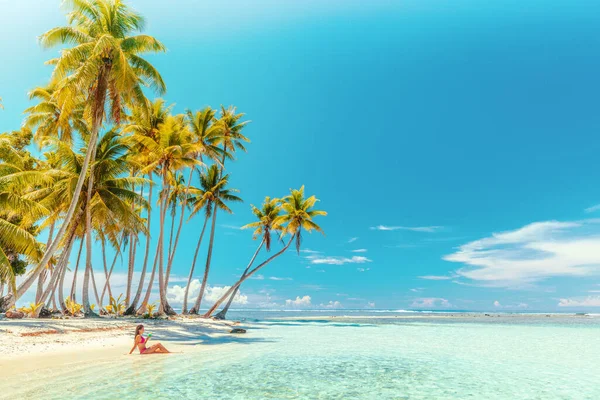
{"x": 34, "y": 344}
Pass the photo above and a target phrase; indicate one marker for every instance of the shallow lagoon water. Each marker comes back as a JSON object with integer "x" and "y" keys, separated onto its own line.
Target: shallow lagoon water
{"x": 365, "y": 358}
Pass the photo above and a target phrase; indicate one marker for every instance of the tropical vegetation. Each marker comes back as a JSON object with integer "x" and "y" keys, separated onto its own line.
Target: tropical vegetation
{"x": 96, "y": 155}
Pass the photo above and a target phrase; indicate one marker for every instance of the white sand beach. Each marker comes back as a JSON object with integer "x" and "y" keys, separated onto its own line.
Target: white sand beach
{"x": 34, "y": 344}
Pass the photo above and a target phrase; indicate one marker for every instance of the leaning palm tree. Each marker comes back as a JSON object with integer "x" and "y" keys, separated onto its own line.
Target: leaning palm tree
{"x": 105, "y": 65}
{"x": 263, "y": 228}
{"x": 213, "y": 194}
{"x": 297, "y": 216}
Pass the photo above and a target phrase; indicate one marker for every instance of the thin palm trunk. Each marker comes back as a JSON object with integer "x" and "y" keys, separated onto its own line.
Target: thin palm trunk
{"x": 223, "y": 312}
{"x": 106, "y": 274}
{"x": 74, "y": 284}
{"x": 164, "y": 304}
{"x": 132, "y": 307}
{"x": 183, "y": 205}
{"x": 130, "y": 266}
{"x": 107, "y": 283}
{"x": 42, "y": 277}
{"x": 97, "y": 117}
{"x": 88, "y": 245}
{"x": 189, "y": 282}
{"x": 63, "y": 260}
{"x": 144, "y": 305}
{"x": 245, "y": 277}
{"x": 196, "y": 308}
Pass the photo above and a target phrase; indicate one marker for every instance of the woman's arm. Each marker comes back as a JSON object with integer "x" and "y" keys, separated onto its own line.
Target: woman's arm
{"x": 135, "y": 343}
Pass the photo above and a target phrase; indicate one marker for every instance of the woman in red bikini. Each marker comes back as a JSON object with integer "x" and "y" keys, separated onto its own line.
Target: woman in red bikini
{"x": 141, "y": 342}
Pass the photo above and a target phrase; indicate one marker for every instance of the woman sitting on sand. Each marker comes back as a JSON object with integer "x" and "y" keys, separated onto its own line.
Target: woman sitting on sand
{"x": 140, "y": 341}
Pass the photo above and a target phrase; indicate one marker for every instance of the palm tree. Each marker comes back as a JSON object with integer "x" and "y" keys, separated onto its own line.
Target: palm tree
{"x": 204, "y": 134}
{"x": 46, "y": 117}
{"x": 145, "y": 121}
{"x": 170, "y": 151}
{"x": 231, "y": 139}
{"x": 212, "y": 195}
{"x": 266, "y": 224}
{"x": 297, "y": 215}
{"x": 104, "y": 64}
{"x": 19, "y": 174}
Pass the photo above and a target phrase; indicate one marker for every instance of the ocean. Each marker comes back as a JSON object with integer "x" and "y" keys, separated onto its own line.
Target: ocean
{"x": 367, "y": 355}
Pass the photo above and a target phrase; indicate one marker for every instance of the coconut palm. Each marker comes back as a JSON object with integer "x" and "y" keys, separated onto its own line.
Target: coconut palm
{"x": 105, "y": 66}
{"x": 171, "y": 150}
{"x": 213, "y": 194}
{"x": 18, "y": 214}
{"x": 45, "y": 117}
{"x": 145, "y": 121}
{"x": 267, "y": 223}
{"x": 230, "y": 139}
{"x": 297, "y": 216}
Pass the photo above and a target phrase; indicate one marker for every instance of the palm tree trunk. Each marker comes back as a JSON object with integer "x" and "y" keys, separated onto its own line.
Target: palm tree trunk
{"x": 74, "y": 284}
{"x": 129, "y": 270}
{"x": 63, "y": 260}
{"x": 196, "y": 308}
{"x": 161, "y": 277}
{"x": 132, "y": 307}
{"x": 107, "y": 283}
{"x": 184, "y": 203}
{"x": 88, "y": 244}
{"x": 223, "y": 312}
{"x": 106, "y": 274}
{"x": 97, "y": 117}
{"x": 189, "y": 282}
{"x": 248, "y": 275}
{"x": 42, "y": 277}
{"x": 150, "y": 284}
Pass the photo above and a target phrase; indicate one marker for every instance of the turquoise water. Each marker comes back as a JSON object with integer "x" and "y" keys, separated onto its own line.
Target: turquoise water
{"x": 384, "y": 358}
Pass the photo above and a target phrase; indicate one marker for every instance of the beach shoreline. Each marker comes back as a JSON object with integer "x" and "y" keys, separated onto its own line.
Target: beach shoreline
{"x": 29, "y": 345}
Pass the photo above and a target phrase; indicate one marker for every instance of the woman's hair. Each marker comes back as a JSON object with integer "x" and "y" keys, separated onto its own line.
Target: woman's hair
{"x": 137, "y": 329}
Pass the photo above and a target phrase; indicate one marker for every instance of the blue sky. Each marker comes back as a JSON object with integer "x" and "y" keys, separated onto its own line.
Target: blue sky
{"x": 434, "y": 133}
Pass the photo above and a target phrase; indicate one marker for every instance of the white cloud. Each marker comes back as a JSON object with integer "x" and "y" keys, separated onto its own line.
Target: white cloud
{"x": 512, "y": 307}
{"x": 359, "y": 251}
{"x": 431, "y": 302}
{"x": 275, "y": 278}
{"x": 426, "y": 229}
{"x": 257, "y": 277}
{"x": 416, "y": 289}
{"x": 331, "y": 304}
{"x": 309, "y": 251}
{"x": 371, "y": 304}
{"x": 363, "y": 269}
{"x": 299, "y": 302}
{"x": 235, "y": 227}
{"x": 352, "y": 240}
{"x": 435, "y": 277}
{"x": 590, "y": 301}
{"x": 593, "y": 291}
{"x": 339, "y": 260}
{"x": 592, "y": 208}
{"x": 534, "y": 252}
{"x": 176, "y": 293}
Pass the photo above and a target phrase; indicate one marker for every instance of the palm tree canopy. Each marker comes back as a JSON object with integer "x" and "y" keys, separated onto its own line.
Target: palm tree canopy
{"x": 101, "y": 33}
{"x": 267, "y": 222}
{"x": 213, "y": 190}
{"x": 299, "y": 214}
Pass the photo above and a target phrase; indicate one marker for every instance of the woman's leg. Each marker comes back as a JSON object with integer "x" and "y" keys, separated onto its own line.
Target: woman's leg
{"x": 156, "y": 349}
